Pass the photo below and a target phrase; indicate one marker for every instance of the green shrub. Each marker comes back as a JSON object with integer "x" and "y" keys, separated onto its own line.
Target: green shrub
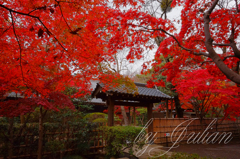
{"x": 54, "y": 146}
{"x": 119, "y": 138}
{"x": 91, "y": 117}
{"x": 100, "y": 120}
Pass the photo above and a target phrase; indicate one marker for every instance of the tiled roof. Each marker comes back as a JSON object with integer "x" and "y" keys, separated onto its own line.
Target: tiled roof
{"x": 141, "y": 88}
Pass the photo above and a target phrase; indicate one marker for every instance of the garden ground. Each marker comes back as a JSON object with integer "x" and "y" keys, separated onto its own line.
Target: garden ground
{"x": 154, "y": 149}
{"x": 228, "y": 151}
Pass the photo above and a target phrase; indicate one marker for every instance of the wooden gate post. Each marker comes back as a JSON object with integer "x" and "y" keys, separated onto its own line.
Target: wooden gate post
{"x": 149, "y": 114}
{"x": 134, "y": 115}
{"x": 167, "y": 113}
{"x": 110, "y": 104}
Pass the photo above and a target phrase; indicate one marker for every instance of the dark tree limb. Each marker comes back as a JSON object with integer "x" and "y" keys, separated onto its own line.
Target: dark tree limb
{"x": 221, "y": 44}
{"x": 6, "y": 30}
{"x": 230, "y": 74}
{"x": 20, "y": 49}
{"x": 236, "y": 6}
{"x": 35, "y": 17}
{"x": 191, "y": 50}
{"x": 223, "y": 59}
{"x": 38, "y": 8}
{"x": 63, "y": 16}
{"x": 233, "y": 44}
{"x": 228, "y": 57}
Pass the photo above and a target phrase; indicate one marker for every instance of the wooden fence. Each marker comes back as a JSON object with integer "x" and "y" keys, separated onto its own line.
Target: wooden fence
{"x": 55, "y": 145}
{"x": 182, "y": 130}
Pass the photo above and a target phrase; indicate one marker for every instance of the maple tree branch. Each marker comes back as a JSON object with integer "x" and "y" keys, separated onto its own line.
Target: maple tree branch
{"x": 6, "y": 29}
{"x": 38, "y": 8}
{"x": 233, "y": 44}
{"x": 230, "y": 74}
{"x": 205, "y": 62}
{"x": 35, "y": 17}
{"x": 66, "y": 2}
{"x": 221, "y": 44}
{"x": 212, "y": 7}
{"x": 13, "y": 11}
{"x": 191, "y": 50}
{"x": 228, "y": 57}
{"x": 63, "y": 16}
{"x": 20, "y": 57}
{"x": 18, "y": 12}
{"x": 236, "y": 6}
{"x": 109, "y": 66}
{"x": 174, "y": 39}
{"x": 223, "y": 59}
{"x": 167, "y": 5}
{"x": 10, "y": 10}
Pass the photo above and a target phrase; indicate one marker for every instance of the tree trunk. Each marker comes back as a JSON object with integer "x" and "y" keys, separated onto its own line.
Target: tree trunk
{"x": 178, "y": 107}
{"x": 125, "y": 119}
{"x": 40, "y": 139}
{"x": 22, "y": 118}
{"x": 10, "y": 146}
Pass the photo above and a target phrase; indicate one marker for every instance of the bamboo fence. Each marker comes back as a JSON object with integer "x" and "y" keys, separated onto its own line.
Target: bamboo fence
{"x": 26, "y": 145}
{"x": 170, "y": 130}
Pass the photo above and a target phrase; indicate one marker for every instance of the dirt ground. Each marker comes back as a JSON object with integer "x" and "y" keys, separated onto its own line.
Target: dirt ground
{"x": 228, "y": 151}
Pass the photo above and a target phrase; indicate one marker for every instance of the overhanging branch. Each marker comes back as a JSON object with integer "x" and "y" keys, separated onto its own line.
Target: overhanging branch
{"x": 20, "y": 49}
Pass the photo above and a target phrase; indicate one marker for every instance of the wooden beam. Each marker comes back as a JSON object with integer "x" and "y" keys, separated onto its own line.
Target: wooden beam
{"x": 134, "y": 104}
{"x": 149, "y": 115}
{"x": 139, "y": 98}
{"x": 97, "y": 91}
{"x": 110, "y": 104}
{"x": 171, "y": 108}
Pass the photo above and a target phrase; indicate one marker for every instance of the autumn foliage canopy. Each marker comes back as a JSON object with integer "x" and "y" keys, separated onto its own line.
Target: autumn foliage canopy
{"x": 47, "y": 46}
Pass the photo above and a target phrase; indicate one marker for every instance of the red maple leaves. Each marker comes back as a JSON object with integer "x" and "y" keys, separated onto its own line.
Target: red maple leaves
{"x": 66, "y": 41}
{"x": 202, "y": 92}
